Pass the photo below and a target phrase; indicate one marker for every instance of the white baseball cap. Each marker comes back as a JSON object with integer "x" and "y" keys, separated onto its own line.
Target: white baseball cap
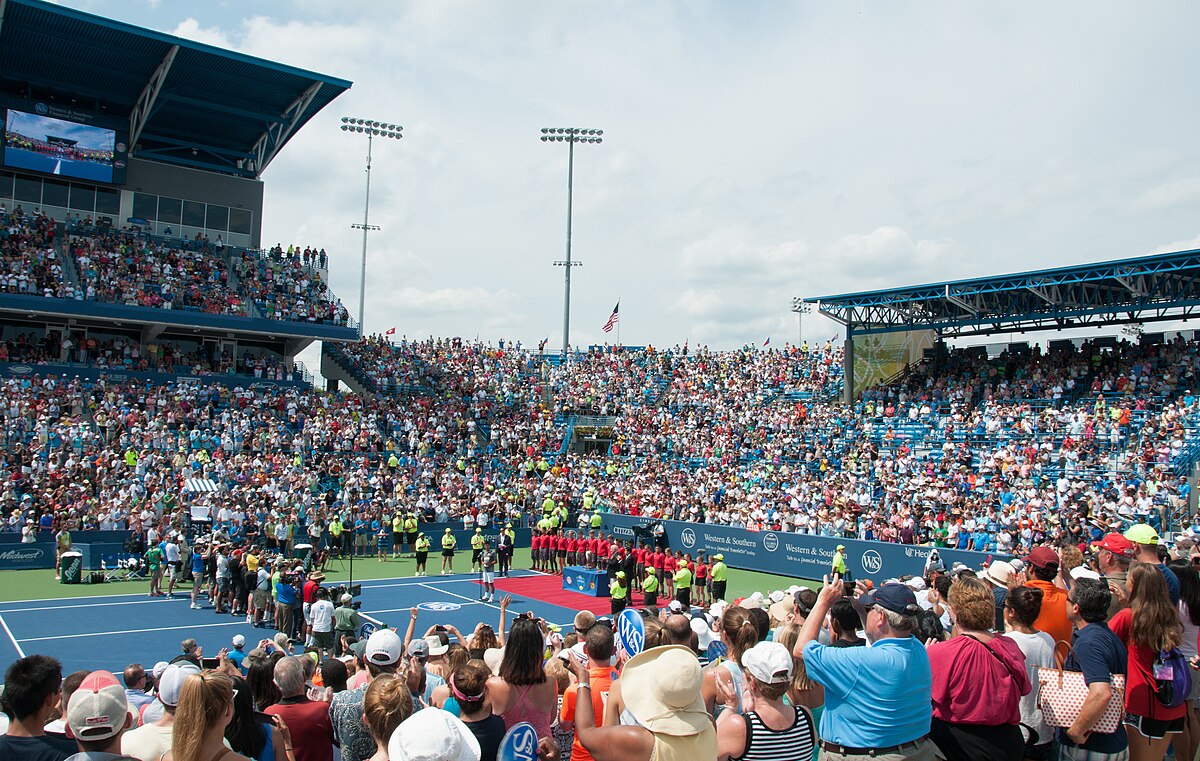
{"x": 768, "y": 662}
{"x": 432, "y": 734}
{"x": 384, "y": 647}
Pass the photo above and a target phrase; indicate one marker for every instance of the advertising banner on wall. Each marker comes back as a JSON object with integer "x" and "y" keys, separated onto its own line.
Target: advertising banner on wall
{"x": 803, "y": 556}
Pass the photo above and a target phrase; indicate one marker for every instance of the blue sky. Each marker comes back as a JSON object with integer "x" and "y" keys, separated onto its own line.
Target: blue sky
{"x": 754, "y": 151}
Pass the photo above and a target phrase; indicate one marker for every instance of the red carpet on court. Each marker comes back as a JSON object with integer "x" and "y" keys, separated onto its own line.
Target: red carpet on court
{"x": 548, "y": 589}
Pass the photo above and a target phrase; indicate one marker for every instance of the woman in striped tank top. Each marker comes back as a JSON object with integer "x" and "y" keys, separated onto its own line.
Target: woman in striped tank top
{"x": 768, "y": 729}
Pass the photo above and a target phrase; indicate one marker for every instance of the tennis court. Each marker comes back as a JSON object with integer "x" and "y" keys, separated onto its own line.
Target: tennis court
{"x": 113, "y": 631}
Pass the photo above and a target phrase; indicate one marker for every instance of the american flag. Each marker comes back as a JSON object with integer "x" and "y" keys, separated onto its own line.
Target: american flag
{"x": 612, "y": 319}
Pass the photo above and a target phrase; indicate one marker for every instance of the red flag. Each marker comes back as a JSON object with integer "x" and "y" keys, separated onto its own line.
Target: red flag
{"x": 390, "y": 332}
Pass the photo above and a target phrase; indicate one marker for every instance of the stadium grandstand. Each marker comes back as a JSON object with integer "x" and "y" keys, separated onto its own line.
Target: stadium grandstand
{"x": 146, "y": 261}
{"x": 705, "y": 538}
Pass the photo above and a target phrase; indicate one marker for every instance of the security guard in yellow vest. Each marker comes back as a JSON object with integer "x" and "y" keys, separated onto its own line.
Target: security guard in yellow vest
{"x": 476, "y": 549}
{"x": 619, "y": 592}
{"x": 683, "y": 587}
{"x": 719, "y": 573}
{"x": 650, "y": 590}
{"x": 397, "y": 534}
{"x": 596, "y": 520}
{"x": 448, "y": 545}
{"x": 421, "y": 548}
{"x": 410, "y": 529}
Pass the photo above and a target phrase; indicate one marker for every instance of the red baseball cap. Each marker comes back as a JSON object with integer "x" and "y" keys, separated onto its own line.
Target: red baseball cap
{"x": 1042, "y": 557}
{"x": 1116, "y": 544}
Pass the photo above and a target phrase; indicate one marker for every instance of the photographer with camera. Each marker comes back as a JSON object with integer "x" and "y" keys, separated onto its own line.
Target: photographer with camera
{"x": 346, "y": 622}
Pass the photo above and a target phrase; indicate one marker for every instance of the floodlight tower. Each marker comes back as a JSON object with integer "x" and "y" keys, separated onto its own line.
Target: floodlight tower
{"x": 570, "y": 136}
{"x": 372, "y": 129}
{"x": 800, "y": 308}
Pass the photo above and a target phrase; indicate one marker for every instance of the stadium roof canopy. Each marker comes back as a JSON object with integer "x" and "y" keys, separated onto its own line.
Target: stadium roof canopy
{"x": 187, "y": 103}
{"x": 1142, "y": 289}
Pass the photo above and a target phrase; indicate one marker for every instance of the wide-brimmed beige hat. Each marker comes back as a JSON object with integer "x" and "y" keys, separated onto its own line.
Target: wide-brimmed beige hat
{"x": 998, "y": 572}
{"x": 661, "y": 688}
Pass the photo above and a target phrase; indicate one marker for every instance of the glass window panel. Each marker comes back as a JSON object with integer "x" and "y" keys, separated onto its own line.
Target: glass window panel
{"x": 6, "y": 184}
{"x": 145, "y": 206}
{"x": 83, "y": 198}
{"x": 193, "y": 214}
{"x": 55, "y": 192}
{"x": 169, "y": 210}
{"x": 240, "y": 221}
{"x": 108, "y": 201}
{"x": 28, "y": 189}
{"x": 218, "y": 218}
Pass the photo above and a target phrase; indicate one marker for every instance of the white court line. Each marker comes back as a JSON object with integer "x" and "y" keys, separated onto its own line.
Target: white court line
{"x": 17, "y": 645}
{"x": 366, "y": 584}
{"x": 97, "y": 605}
{"x": 475, "y": 600}
{"x": 240, "y": 622}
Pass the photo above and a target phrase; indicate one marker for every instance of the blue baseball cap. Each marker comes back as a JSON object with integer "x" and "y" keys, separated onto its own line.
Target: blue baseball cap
{"x": 897, "y": 598}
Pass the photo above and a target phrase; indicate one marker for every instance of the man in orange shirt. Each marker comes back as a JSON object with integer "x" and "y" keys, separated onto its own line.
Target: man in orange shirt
{"x": 598, "y": 645}
{"x": 1043, "y": 570}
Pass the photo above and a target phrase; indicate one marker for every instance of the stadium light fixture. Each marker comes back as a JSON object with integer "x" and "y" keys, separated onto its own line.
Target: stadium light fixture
{"x": 372, "y": 129}
{"x": 570, "y": 136}
{"x": 801, "y": 308}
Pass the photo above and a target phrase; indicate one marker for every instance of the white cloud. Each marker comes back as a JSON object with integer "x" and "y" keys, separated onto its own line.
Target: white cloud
{"x": 752, "y": 152}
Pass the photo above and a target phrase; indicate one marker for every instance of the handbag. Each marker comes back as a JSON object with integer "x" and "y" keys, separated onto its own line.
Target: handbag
{"x": 1061, "y": 695}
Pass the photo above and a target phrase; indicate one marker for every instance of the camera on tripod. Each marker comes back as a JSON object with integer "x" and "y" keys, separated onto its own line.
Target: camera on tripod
{"x": 354, "y": 590}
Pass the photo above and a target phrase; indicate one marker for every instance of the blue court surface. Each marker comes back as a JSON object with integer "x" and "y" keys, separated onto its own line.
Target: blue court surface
{"x": 113, "y": 631}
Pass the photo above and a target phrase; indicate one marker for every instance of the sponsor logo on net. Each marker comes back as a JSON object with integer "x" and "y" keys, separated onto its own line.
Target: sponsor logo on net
{"x": 770, "y": 541}
{"x": 22, "y": 555}
{"x": 688, "y": 537}
{"x": 872, "y": 561}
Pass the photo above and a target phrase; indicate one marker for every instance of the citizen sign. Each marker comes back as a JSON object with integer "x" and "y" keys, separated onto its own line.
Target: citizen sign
{"x": 770, "y": 541}
{"x": 872, "y": 562}
{"x": 688, "y": 537}
{"x": 21, "y": 555}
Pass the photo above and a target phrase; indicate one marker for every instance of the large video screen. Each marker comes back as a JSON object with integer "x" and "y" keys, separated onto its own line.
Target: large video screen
{"x": 56, "y": 146}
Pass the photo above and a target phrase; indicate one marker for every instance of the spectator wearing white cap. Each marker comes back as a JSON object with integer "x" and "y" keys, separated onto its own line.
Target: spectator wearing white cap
{"x": 664, "y": 715}
{"x": 768, "y": 728}
{"x": 432, "y": 734}
{"x": 150, "y": 741}
{"x": 237, "y": 655}
{"x": 383, "y": 655}
{"x": 97, "y": 715}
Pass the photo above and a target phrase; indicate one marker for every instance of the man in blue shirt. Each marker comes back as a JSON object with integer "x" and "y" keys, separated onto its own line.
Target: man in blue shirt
{"x": 877, "y": 698}
{"x": 1145, "y": 542}
{"x": 237, "y": 654}
{"x": 1099, "y": 654}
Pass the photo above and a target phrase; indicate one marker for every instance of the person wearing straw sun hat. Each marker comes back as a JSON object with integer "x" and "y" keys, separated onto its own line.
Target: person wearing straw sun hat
{"x": 664, "y": 716}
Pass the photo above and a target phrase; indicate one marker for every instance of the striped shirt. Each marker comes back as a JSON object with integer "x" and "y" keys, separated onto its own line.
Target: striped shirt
{"x": 765, "y": 744}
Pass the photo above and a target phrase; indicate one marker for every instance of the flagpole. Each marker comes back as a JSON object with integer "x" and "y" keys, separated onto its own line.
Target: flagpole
{"x": 618, "y": 324}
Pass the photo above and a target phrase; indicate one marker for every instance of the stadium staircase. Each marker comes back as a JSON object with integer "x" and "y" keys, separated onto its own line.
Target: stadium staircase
{"x": 337, "y": 365}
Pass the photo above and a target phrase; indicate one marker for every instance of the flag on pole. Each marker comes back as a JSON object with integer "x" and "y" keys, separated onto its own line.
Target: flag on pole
{"x": 390, "y": 332}
{"x": 612, "y": 319}
{"x": 767, "y": 342}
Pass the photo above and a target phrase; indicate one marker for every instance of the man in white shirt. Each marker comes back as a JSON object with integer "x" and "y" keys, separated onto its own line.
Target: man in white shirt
{"x": 150, "y": 741}
{"x": 321, "y": 612}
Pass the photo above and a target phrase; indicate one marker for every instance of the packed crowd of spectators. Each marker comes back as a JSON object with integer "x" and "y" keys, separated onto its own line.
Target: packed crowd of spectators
{"x": 29, "y": 263}
{"x": 286, "y": 285}
{"x": 125, "y": 268}
{"x": 956, "y": 664}
{"x": 128, "y": 354}
{"x": 703, "y": 437}
{"x": 132, "y": 268}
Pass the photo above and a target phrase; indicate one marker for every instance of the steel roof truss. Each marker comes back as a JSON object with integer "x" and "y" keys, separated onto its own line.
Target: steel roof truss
{"x": 145, "y": 102}
{"x": 277, "y": 134}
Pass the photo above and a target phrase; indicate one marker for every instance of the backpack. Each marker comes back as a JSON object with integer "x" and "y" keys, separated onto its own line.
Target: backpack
{"x": 1172, "y": 678}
